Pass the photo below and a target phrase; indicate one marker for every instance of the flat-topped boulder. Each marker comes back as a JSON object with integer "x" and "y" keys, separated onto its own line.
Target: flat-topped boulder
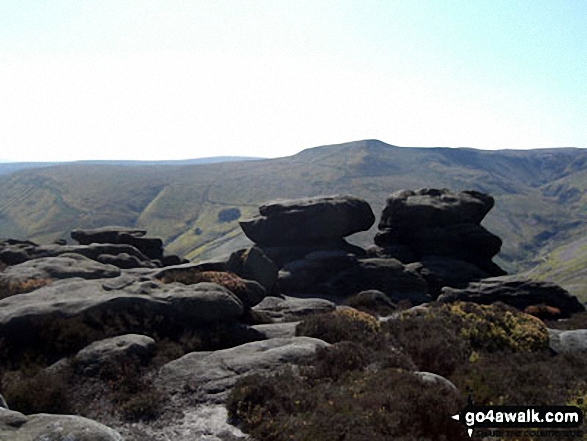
{"x": 64, "y": 266}
{"x": 517, "y": 291}
{"x": 291, "y": 309}
{"x": 215, "y": 373}
{"x": 310, "y": 220}
{"x": 439, "y": 224}
{"x": 53, "y": 427}
{"x": 113, "y": 350}
{"x": 428, "y": 207}
{"x": 104, "y": 234}
{"x": 90, "y": 310}
{"x": 568, "y": 342}
{"x": 150, "y": 247}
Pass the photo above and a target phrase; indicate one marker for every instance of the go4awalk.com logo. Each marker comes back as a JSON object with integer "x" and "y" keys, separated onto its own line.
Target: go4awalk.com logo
{"x": 519, "y": 417}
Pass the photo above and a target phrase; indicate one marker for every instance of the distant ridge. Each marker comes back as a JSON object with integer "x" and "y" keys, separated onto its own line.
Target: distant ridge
{"x": 11, "y": 167}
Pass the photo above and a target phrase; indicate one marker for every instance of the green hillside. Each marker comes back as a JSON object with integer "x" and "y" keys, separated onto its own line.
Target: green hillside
{"x": 540, "y": 194}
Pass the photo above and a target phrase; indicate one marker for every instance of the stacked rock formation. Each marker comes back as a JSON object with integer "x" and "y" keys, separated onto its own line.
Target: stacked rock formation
{"x": 311, "y": 221}
{"x": 305, "y": 239}
{"x": 442, "y": 230}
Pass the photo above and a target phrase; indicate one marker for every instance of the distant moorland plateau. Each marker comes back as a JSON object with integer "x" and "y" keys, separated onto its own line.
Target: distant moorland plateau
{"x": 195, "y": 206}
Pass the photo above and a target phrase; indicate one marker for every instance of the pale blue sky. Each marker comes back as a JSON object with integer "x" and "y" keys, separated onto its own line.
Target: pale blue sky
{"x": 176, "y": 79}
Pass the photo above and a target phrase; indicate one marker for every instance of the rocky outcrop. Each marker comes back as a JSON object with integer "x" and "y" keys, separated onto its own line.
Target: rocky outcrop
{"x": 119, "y": 246}
{"x": 112, "y": 350}
{"x": 390, "y": 276}
{"x": 305, "y": 241}
{"x": 150, "y": 247}
{"x": 94, "y": 310}
{"x": 64, "y": 266}
{"x": 254, "y": 264}
{"x": 214, "y": 373}
{"x": 290, "y": 309}
{"x": 519, "y": 292}
{"x": 308, "y": 221}
{"x": 440, "y": 228}
{"x": 15, "y": 426}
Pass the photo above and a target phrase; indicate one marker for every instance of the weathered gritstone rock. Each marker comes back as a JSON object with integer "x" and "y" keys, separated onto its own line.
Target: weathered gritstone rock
{"x": 438, "y": 226}
{"x": 136, "y": 307}
{"x": 150, "y": 247}
{"x": 213, "y": 374}
{"x": 104, "y": 235}
{"x": 389, "y": 276}
{"x": 439, "y": 222}
{"x": 277, "y": 330}
{"x": 568, "y": 342}
{"x": 517, "y": 291}
{"x": 41, "y": 427}
{"x": 311, "y": 220}
{"x": 250, "y": 292}
{"x": 115, "y": 349}
{"x": 122, "y": 260}
{"x": 435, "y": 380}
{"x": 10, "y": 420}
{"x": 415, "y": 209}
{"x": 291, "y": 309}
{"x": 61, "y": 267}
{"x": 440, "y": 271}
{"x": 120, "y": 246}
{"x": 19, "y": 253}
{"x": 253, "y": 264}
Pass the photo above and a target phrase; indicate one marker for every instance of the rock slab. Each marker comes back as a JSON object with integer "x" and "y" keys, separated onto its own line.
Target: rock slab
{"x": 213, "y": 374}
{"x": 517, "y": 291}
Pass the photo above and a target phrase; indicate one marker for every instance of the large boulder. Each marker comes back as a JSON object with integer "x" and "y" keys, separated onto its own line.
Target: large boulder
{"x": 311, "y": 220}
{"x": 250, "y": 292}
{"x": 60, "y": 267}
{"x": 311, "y": 273}
{"x": 213, "y": 374}
{"x": 112, "y": 350}
{"x": 291, "y": 309}
{"x": 12, "y": 253}
{"x": 104, "y": 234}
{"x": 568, "y": 342}
{"x": 77, "y": 312}
{"x": 150, "y": 247}
{"x": 425, "y": 224}
{"x": 415, "y": 209}
{"x": 390, "y": 276}
{"x": 441, "y": 271}
{"x": 41, "y": 427}
{"x": 517, "y": 291}
{"x": 253, "y": 264}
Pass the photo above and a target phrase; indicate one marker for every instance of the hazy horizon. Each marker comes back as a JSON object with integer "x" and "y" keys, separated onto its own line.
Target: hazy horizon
{"x": 171, "y": 80}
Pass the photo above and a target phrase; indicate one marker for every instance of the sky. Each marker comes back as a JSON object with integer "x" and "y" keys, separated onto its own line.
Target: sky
{"x": 173, "y": 79}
